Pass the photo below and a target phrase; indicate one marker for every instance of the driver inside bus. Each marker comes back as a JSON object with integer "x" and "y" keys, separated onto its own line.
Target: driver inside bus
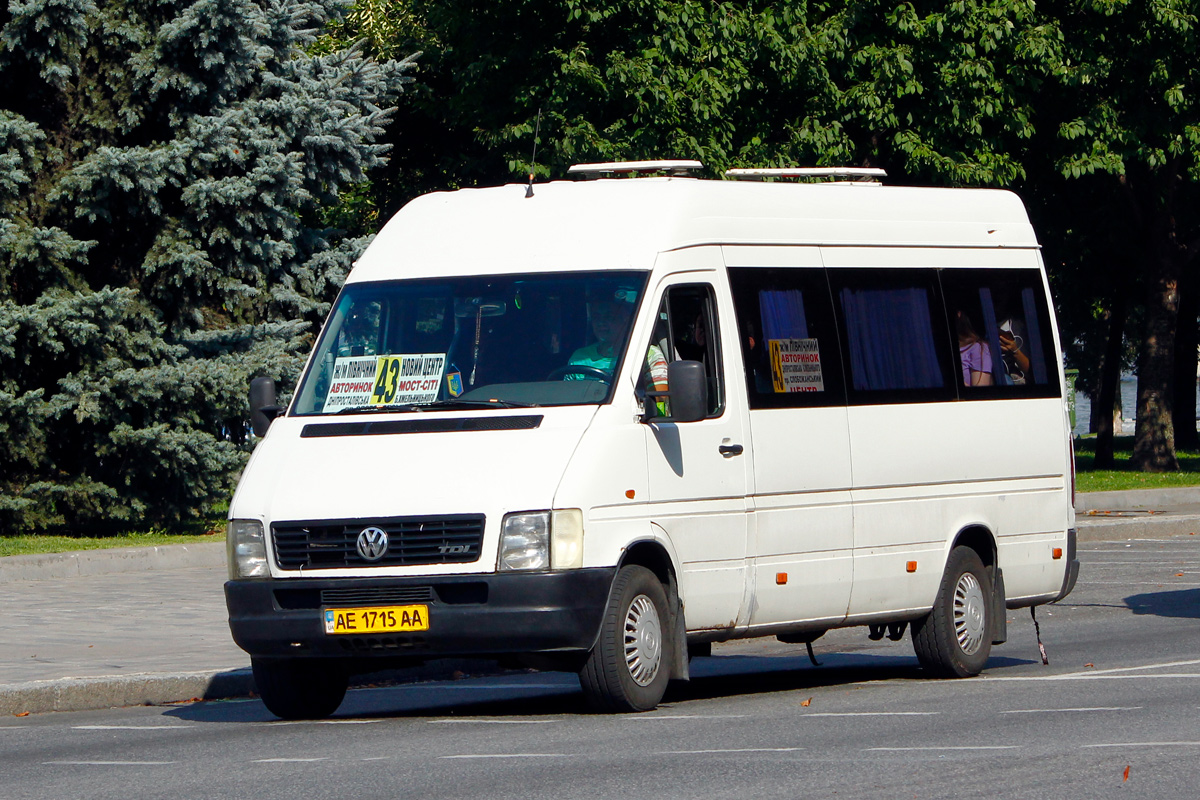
{"x": 610, "y": 311}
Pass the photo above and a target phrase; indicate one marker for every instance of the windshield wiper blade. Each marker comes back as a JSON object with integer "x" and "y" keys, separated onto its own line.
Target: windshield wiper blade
{"x": 402, "y": 407}
{"x": 452, "y": 402}
{"x": 458, "y": 401}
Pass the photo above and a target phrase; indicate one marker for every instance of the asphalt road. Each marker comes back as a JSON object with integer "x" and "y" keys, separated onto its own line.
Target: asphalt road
{"x": 1115, "y": 713}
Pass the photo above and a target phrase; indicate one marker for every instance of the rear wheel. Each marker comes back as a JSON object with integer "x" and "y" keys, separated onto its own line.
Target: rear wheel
{"x": 954, "y": 640}
{"x": 628, "y": 669}
{"x": 300, "y": 688}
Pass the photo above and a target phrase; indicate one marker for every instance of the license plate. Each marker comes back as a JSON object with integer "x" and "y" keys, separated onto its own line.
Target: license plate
{"x": 379, "y": 619}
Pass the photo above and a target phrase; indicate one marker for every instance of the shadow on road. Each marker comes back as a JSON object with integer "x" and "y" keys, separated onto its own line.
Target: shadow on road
{"x": 556, "y": 694}
{"x": 1183, "y": 603}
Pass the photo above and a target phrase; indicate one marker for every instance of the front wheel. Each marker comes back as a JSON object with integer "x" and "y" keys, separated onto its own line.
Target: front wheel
{"x": 300, "y": 688}
{"x": 628, "y": 669}
{"x": 954, "y": 640}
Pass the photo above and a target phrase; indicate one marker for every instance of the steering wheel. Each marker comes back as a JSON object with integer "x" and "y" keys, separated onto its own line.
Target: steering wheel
{"x": 580, "y": 369}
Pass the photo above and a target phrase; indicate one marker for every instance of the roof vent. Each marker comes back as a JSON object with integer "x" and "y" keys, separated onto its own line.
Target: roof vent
{"x": 677, "y": 168}
{"x": 868, "y": 174}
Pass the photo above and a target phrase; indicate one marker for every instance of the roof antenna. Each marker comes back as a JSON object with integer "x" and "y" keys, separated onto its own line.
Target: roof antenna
{"x": 537, "y": 129}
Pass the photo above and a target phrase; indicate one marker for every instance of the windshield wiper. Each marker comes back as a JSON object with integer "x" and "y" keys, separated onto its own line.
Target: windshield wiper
{"x": 458, "y": 401}
{"x": 453, "y": 402}
{"x": 401, "y": 407}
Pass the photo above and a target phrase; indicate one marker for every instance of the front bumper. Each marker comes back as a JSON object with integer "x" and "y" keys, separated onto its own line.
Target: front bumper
{"x": 469, "y": 615}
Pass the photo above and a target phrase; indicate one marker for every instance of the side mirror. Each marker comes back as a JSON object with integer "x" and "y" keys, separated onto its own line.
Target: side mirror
{"x": 263, "y": 407}
{"x": 688, "y": 393}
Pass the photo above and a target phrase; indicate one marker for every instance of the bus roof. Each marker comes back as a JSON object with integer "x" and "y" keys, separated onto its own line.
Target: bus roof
{"x": 623, "y": 223}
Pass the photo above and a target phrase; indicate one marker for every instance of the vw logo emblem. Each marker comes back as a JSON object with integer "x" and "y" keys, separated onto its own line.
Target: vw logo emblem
{"x": 372, "y": 543}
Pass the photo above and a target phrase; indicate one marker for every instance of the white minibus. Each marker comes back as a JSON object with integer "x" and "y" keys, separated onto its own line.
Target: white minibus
{"x": 596, "y": 425}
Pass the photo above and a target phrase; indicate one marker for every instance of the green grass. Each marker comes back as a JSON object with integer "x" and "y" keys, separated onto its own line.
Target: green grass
{"x": 1124, "y": 477}
{"x": 32, "y": 544}
{"x": 207, "y": 528}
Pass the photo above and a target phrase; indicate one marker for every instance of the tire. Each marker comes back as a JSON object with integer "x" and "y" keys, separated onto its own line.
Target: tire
{"x": 954, "y": 640}
{"x": 299, "y": 688}
{"x": 629, "y": 667}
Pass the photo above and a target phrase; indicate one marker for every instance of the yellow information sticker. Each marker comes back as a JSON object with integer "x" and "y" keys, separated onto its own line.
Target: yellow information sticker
{"x": 379, "y": 619}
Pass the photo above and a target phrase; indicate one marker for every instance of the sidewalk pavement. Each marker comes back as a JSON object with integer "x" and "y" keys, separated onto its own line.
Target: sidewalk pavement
{"x": 144, "y": 626}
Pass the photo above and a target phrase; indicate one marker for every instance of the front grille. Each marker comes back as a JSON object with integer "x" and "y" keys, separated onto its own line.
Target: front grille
{"x": 376, "y": 595}
{"x": 453, "y": 539}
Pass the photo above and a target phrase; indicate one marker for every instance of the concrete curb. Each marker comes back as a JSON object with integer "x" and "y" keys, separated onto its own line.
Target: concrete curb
{"x": 90, "y": 694}
{"x": 156, "y": 689}
{"x": 56, "y": 566}
{"x": 1137, "y": 499}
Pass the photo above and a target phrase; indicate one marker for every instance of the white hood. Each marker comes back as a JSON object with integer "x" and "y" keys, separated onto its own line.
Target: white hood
{"x": 358, "y": 475}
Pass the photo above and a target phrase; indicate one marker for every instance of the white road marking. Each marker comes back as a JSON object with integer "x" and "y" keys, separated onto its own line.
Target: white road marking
{"x": 1064, "y": 710}
{"x": 112, "y": 763}
{"x": 1108, "y": 674}
{"x": 949, "y": 747}
{"x": 1163, "y": 583}
{"x": 738, "y": 750}
{"x": 491, "y": 721}
{"x": 437, "y": 687}
{"x": 287, "y": 760}
{"x": 129, "y": 727}
{"x": 871, "y": 713}
{"x": 281, "y": 723}
{"x": 1078, "y": 676}
{"x": 1145, "y": 744}
{"x": 652, "y": 717}
{"x": 510, "y": 755}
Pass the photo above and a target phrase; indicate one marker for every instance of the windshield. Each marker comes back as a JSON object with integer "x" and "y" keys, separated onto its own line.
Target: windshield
{"x": 505, "y": 341}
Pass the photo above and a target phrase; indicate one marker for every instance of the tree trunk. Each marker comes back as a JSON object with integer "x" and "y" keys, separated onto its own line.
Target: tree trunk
{"x": 1186, "y": 336}
{"x": 1110, "y": 383}
{"x": 1154, "y": 435}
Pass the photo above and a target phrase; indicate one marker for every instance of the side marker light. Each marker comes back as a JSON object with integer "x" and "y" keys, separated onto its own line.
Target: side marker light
{"x": 911, "y": 566}
{"x": 780, "y": 578}
{"x": 630, "y": 493}
{"x": 1057, "y": 553}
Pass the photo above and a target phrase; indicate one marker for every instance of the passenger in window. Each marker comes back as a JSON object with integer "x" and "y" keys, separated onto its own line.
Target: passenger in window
{"x": 974, "y": 353}
{"x": 693, "y": 345}
{"x": 1016, "y": 363}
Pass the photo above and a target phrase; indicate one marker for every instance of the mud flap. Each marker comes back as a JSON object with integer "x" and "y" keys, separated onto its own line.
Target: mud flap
{"x": 999, "y": 609}
{"x": 679, "y": 653}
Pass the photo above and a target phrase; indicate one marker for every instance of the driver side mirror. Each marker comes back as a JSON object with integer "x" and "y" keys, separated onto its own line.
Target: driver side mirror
{"x": 263, "y": 405}
{"x": 688, "y": 393}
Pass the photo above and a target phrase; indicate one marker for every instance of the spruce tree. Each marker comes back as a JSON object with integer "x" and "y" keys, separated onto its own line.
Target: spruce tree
{"x": 164, "y": 168}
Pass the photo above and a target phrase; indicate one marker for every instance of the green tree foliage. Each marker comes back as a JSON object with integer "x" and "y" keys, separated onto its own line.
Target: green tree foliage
{"x": 940, "y": 95}
{"x": 164, "y": 165}
{"x": 1126, "y": 116}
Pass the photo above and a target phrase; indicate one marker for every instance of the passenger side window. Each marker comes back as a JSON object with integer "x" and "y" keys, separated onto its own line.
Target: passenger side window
{"x": 788, "y": 337}
{"x": 686, "y": 328}
{"x": 1002, "y": 329}
{"x": 894, "y": 335}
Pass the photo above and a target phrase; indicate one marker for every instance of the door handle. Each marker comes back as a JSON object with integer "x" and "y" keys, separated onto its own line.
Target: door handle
{"x": 730, "y": 450}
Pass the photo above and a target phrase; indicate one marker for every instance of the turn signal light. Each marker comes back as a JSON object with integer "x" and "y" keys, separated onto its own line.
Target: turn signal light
{"x": 780, "y": 578}
{"x": 911, "y": 566}
{"x": 1057, "y": 553}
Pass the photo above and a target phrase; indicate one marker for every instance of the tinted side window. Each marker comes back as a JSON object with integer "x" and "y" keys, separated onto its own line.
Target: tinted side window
{"x": 1001, "y": 322}
{"x": 789, "y": 339}
{"x": 894, "y": 335}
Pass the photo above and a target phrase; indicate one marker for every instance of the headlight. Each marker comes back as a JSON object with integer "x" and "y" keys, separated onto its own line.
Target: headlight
{"x": 246, "y": 549}
{"x": 541, "y": 540}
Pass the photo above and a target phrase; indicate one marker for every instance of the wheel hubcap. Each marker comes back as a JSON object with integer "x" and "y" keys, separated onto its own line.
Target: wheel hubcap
{"x": 969, "y": 613}
{"x": 643, "y": 640}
